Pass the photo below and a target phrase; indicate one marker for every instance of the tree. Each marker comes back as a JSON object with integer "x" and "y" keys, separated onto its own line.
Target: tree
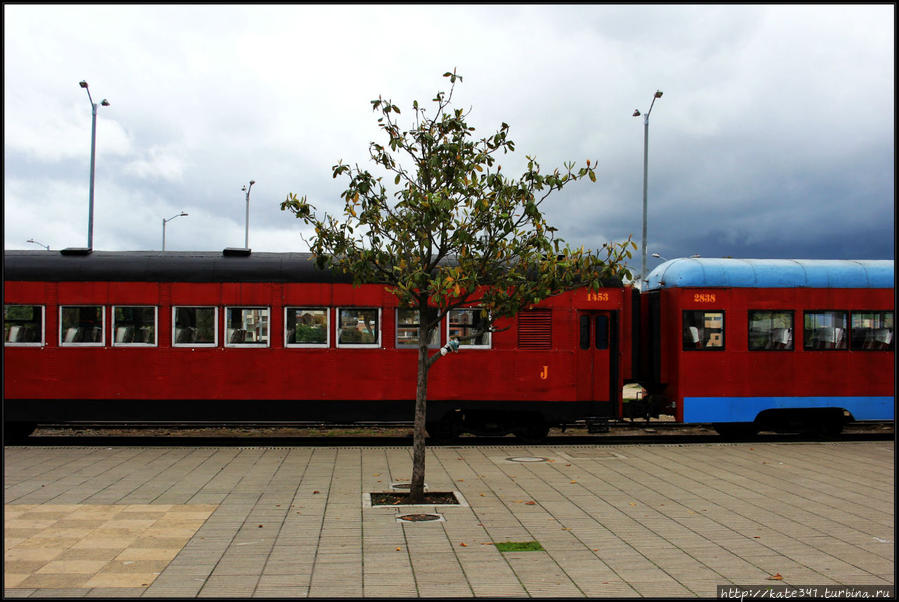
{"x": 454, "y": 232}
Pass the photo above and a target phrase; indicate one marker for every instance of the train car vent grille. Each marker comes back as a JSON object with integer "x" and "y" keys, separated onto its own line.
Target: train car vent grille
{"x": 535, "y": 329}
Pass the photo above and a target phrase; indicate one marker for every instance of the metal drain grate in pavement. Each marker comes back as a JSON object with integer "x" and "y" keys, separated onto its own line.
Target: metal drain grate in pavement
{"x": 414, "y": 518}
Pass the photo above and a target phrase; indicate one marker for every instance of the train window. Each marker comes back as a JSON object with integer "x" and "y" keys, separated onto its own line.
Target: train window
{"x": 770, "y": 330}
{"x": 703, "y": 330}
{"x": 23, "y": 325}
{"x": 82, "y": 325}
{"x": 133, "y": 326}
{"x": 825, "y": 330}
{"x": 602, "y": 332}
{"x": 246, "y": 327}
{"x": 358, "y": 327}
{"x": 306, "y": 326}
{"x": 469, "y": 327}
{"x": 872, "y": 331}
{"x": 408, "y": 329}
{"x": 194, "y": 326}
{"x": 584, "y": 332}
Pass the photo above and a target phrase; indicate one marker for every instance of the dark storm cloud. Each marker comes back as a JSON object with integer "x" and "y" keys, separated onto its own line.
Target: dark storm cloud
{"x": 774, "y": 137}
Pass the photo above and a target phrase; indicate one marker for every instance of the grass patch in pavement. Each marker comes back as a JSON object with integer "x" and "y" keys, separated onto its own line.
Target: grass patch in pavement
{"x": 519, "y": 546}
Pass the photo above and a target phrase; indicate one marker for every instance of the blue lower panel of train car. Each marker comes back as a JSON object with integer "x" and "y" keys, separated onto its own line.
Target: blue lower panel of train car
{"x": 745, "y": 409}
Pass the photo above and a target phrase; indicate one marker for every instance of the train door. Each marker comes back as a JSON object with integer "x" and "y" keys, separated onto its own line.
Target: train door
{"x": 597, "y": 356}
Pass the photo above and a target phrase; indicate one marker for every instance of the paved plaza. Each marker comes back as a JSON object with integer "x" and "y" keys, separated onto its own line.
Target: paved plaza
{"x": 612, "y": 520}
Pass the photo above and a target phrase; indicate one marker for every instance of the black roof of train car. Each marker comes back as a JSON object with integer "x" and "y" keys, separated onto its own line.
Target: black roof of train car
{"x": 232, "y": 265}
{"x": 170, "y": 266}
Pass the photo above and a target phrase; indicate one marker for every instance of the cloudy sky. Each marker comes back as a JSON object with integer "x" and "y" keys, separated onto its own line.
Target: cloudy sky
{"x": 775, "y": 136}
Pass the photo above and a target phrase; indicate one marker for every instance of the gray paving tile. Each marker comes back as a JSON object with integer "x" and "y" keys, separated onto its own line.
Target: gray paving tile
{"x": 281, "y": 592}
{"x": 640, "y": 520}
{"x": 229, "y": 586}
{"x": 116, "y": 592}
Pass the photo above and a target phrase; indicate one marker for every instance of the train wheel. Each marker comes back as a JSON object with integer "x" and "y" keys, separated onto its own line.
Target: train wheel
{"x": 829, "y": 424}
{"x": 832, "y": 428}
{"x": 737, "y": 430}
{"x": 535, "y": 430}
{"x": 441, "y": 429}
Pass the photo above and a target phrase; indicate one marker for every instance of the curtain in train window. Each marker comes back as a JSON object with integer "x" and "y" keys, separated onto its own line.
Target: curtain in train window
{"x": 359, "y": 326}
{"x": 246, "y": 326}
{"x": 463, "y": 324}
{"x": 23, "y": 324}
{"x": 872, "y": 331}
{"x": 195, "y": 326}
{"x": 825, "y": 330}
{"x": 770, "y": 330}
{"x": 134, "y": 325}
{"x": 82, "y": 325}
{"x": 408, "y": 329}
{"x": 703, "y": 330}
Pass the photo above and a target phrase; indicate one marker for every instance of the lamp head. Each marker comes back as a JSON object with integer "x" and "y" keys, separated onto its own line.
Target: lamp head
{"x": 243, "y": 188}
{"x": 104, "y": 103}
{"x": 183, "y": 213}
{"x": 252, "y": 182}
{"x": 658, "y": 94}
{"x": 636, "y": 112}
{"x": 83, "y": 84}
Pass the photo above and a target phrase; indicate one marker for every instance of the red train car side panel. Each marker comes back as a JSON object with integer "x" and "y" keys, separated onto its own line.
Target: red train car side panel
{"x": 575, "y": 370}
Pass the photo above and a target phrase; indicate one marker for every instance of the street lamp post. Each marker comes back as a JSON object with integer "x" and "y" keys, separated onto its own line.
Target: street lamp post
{"x": 32, "y": 241}
{"x": 164, "y": 220}
{"x": 90, "y": 219}
{"x": 246, "y": 238}
{"x": 658, "y": 94}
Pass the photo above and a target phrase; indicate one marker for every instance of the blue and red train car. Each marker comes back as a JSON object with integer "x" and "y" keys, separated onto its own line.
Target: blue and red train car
{"x": 256, "y": 337}
{"x": 770, "y": 344}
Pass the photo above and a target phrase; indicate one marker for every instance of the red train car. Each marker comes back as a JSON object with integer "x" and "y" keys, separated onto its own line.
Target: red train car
{"x": 211, "y": 337}
{"x": 770, "y": 344}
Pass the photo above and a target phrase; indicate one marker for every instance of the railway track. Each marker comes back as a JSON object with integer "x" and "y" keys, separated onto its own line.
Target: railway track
{"x": 393, "y": 434}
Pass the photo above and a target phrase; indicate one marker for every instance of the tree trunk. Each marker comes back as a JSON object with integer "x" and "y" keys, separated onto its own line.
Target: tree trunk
{"x": 417, "y": 486}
